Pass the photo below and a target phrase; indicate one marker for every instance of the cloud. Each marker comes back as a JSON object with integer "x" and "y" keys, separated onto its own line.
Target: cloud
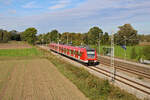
{"x": 31, "y": 4}
{"x": 60, "y": 4}
{"x": 107, "y": 14}
{"x": 6, "y": 2}
{"x": 13, "y": 11}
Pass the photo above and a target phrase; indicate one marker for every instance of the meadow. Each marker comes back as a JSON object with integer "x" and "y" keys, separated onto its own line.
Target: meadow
{"x": 20, "y": 52}
{"x": 90, "y": 85}
{"x": 121, "y": 53}
{"x": 11, "y": 54}
{"x": 18, "y": 49}
{"x": 93, "y": 87}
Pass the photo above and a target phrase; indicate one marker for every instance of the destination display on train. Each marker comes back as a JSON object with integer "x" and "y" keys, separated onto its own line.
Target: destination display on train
{"x": 90, "y": 52}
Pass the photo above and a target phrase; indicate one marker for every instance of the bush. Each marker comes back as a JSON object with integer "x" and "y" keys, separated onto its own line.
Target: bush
{"x": 146, "y": 52}
{"x": 93, "y": 87}
{"x": 133, "y": 53}
{"x": 4, "y": 36}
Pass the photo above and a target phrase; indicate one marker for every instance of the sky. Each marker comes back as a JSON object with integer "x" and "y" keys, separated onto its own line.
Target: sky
{"x": 74, "y": 15}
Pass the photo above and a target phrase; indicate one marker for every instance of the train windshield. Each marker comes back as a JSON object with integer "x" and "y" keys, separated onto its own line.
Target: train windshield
{"x": 91, "y": 53}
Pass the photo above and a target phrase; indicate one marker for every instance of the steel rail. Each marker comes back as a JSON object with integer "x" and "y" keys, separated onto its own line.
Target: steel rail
{"x": 100, "y": 71}
{"x": 132, "y": 71}
{"x": 123, "y": 64}
{"x": 109, "y": 74}
{"x": 129, "y": 70}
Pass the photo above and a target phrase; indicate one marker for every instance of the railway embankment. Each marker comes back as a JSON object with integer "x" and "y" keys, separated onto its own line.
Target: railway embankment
{"x": 92, "y": 86}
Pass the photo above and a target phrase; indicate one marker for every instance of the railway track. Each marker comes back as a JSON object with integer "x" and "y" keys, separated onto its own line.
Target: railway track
{"x": 138, "y": 86}
{"x": 129, "y": 68}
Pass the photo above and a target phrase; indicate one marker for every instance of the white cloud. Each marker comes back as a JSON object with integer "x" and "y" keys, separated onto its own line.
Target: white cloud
{"x": 60, "y": 4}
{"x": 31, "y": 4}
{"x": 6, "y": 2}
{"x": 92, "y": 12}
{"x": 13, "y": 11}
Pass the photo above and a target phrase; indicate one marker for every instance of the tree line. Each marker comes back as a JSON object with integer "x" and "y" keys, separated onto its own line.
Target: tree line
{"x": 126, "y": 34}
{"x": 95, "y": 35}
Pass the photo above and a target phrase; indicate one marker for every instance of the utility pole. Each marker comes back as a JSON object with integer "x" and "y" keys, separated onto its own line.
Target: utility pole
{"x": 71, "y": 40}
{"x": 125, "y": 47}
{"x": 67, "y": 38}
{"x": 99, "y": 43}
{"x": 112, "y": 57}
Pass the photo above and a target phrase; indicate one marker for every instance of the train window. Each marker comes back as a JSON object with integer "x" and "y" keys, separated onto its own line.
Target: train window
{"x": 78, "y": 53}
{"x": 91, "y": 53}
{"x": 74, "y": 52}
{"x": 70, "y": 51}
{"x": 67, "y": 50}
{"x": 64, "y": 50}
{"x": 81, "y": 54}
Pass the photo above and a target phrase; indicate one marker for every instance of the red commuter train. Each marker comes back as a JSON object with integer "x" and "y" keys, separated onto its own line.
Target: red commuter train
{"x": 82, "y": 54}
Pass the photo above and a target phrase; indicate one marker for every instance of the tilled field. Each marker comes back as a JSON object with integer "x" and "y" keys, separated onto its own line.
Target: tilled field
{"x": 14, "y": 45}
{"x": 37, "y": 79}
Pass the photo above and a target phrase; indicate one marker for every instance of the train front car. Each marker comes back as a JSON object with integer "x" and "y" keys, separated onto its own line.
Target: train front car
{"x": 91, "y": 56}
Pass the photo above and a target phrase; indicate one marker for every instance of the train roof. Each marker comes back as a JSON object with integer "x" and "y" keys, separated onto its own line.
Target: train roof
{"x": 81, "y": 48}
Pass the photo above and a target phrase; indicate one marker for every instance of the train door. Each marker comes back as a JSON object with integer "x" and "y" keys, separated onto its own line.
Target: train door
{"x": 79, "y": 54}
{"x": 71, "y": 52}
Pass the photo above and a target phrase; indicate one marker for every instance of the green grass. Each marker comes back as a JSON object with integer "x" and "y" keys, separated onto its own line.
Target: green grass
{"x": 93, "y": 87}
{"x": 120, "y": 52}
{"x": 19, "y": 52}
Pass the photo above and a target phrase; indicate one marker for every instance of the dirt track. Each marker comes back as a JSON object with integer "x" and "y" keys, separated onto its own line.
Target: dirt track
{"x": 38, "y": 79}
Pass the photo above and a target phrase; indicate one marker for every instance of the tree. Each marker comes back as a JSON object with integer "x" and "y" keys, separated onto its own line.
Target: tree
{"x": 93, "y": 35}
{"x": 85, "y": 38}
{"x": 29, "y": 35}
{"x": 4, "y": 36}
{"x": 126, "y": 33}
{"x": 105, "y": 39}
{"x": 144, "y": 38}
{"x": 146, "y": 52}
{"x": 65, "y": 37}
{"x": 39, "y": 39}
{"x": 15, "y": 35}
{"x": 54, "y": 35}
{"x": 78, "y": 39}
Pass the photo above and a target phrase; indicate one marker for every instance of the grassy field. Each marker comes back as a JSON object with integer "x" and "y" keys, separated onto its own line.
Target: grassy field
{"x": 15, "y": 45}
{"x": 120, "y": 52}
{"x": 35, "y": 79}
{"x": 19, "y": 52}
{"x": 10, "y": 54}
{"x": 93, "y": 87}
{"x": 26, "y": 74}
{"x": 18, "y": 49}
{"x": 13, "y": 51}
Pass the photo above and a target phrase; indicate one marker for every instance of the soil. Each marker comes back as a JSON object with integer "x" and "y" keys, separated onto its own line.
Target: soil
{"x": 14, "y": 45}
{"x": 38, "y": 79}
